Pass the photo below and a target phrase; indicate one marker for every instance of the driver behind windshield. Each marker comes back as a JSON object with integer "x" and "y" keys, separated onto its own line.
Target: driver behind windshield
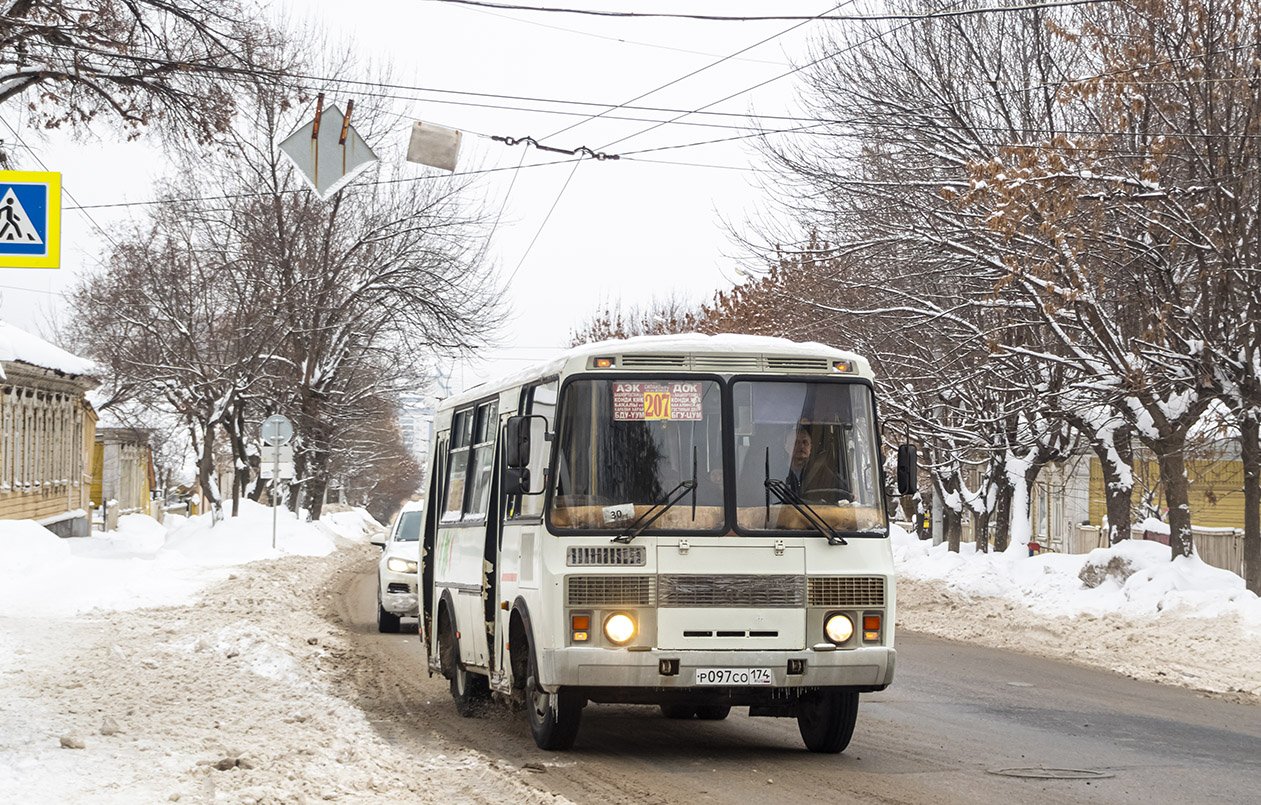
{"x": 808, "y": 477}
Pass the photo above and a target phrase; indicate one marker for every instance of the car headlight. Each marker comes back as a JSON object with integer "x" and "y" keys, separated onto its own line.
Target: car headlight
{"x": 838, "y": 628}
{"x": 400, "y": 565}
{"x": 619, "y": 628}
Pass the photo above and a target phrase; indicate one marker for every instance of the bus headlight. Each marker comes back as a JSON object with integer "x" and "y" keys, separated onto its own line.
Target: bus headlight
{"x": 619, "y": 628}
{"x": 838, "y": 628}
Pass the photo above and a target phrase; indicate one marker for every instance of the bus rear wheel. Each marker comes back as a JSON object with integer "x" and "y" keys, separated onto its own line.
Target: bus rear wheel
{"x": 826, "y": 719}
{"x": 553, "y": 717}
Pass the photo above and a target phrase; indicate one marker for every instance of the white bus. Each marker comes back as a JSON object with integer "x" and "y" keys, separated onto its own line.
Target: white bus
{"x": 693, "y": 522}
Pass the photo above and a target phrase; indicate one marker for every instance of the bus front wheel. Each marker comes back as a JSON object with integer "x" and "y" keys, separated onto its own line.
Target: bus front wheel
{"x": 554, "y": 717}
{"x": 469, "y": 690}
{"x": 826, "y": 719}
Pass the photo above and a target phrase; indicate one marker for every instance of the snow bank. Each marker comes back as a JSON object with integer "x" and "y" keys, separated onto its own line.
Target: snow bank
{"x": 1050, "y": 583}
{"x": 142, "y": 564}
{"x": 249, "y": 696}
{"x": 1127, "y": 608}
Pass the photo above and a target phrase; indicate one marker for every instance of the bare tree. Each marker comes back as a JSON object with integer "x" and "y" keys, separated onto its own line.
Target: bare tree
{"x": 669, "y": 314}
{"x": 136, "y": 62}
{"x": 255, "y": 297}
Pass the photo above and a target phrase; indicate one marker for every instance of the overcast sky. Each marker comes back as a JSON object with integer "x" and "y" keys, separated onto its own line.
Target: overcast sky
{"x": 627, "y": 229}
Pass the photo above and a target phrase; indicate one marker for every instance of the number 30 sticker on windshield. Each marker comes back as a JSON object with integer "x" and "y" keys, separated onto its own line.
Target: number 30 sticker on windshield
{"x": 656, "y": 401}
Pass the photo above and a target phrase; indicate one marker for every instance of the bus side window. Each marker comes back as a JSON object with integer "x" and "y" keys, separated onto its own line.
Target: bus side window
{"x": 541, "y": 401}
{"x": 484, "y": 432}
{"x": 457, "y": 469}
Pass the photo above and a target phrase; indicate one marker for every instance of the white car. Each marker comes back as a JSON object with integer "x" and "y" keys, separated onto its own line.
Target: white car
{"x": 396, "y": 574}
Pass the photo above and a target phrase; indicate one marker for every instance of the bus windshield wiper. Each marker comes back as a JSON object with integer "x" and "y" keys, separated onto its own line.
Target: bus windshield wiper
{"x": 640, "y": 525}
{"x": 786, "y": 495}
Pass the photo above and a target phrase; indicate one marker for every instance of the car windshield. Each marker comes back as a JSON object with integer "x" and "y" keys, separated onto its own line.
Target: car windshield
{"x": 408, "y": 526}
{"x": 812, "y": 443}
{"x": 628, "y": 445}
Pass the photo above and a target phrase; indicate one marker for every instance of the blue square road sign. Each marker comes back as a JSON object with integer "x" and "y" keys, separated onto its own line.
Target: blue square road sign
{"x": 30, "y": 219}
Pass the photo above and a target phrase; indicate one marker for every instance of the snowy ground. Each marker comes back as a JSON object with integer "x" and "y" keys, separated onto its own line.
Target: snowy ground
{"x": 198, "y": 665}
{"x": 1182, "y": 622}
{"x": 187, "y": 672}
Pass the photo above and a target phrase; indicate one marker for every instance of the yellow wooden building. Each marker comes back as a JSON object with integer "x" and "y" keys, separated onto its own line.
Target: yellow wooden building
{"x": 47, "y": 430}
{"x": 122, "y": 470}
{"x": 1214, "y": 490}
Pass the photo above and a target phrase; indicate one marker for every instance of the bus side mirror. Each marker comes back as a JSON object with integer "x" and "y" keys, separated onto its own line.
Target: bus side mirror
{"x": 517, "y": 481}
{"x": 517, "y": 442}
{"x": 908, "y": 471}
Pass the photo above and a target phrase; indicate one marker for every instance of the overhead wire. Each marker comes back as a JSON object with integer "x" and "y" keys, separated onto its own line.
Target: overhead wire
{"x": 777, "y": 17}
{"x": 666, "y": 85}
{"x": 759, "y": 85}
{"x": 64, "y": 189}
{"x": 546, "y": 218}
{"x": 277, "y": 76}
{"x": 696, "y": 72}
{"x": 608, "y": 38}
{"x": 230, "y": 196}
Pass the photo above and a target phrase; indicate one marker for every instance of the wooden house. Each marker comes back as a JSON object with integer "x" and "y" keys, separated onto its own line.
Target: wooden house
{"x": 122, "y": 471}
{"x": 47, "y": 430}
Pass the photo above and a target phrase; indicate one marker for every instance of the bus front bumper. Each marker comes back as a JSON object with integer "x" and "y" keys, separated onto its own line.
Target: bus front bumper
{"x": 867, "y": 668}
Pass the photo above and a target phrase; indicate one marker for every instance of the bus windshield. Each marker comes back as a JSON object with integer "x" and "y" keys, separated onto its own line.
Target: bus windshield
{"x": 813, "y": 443}
{"x": 628, "y": 445}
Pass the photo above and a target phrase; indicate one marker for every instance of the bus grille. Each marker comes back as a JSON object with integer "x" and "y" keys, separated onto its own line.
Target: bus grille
{"x": 654, "y": 361}
{"x": 605, "y": 591}
{"x": 606, "y": 556}
{"x": 727, "y": 363}
{"x": 732, "y": 591}
{"x": 847, "y": 591}
{"x": 798, "y": 364}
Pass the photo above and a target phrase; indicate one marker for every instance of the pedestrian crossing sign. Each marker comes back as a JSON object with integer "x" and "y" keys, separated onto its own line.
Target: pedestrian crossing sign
{"x": 30, "y": 219}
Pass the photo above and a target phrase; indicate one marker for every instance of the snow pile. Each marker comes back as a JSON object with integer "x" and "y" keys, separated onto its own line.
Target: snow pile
{"x": 141, "y": 564}
{"x": 1127, "y": 608}
{"x": 244, "y": 695}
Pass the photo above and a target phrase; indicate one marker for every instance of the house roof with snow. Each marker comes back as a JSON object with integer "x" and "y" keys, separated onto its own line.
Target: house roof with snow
{"x": 19, "y": 346}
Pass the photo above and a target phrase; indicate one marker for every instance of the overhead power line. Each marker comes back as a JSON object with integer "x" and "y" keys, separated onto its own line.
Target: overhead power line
{"x": 774, "y": 17}
{"x": 604, "y": 113}
{"x": 618, "y": 39}
{"x": 69, "y": 195}
{"x": 696, "y": 72}
{"x": 230, "y": 196}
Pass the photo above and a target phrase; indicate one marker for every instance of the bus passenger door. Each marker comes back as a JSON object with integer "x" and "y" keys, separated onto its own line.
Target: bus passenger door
{"x": 520, "y": 540}
{"x": 433, "y": 507}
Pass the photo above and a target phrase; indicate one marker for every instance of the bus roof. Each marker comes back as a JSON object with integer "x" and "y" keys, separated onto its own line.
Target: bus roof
{"x": 713, "y": 354}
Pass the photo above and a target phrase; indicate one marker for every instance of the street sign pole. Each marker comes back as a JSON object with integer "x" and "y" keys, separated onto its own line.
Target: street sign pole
{"x": 275, "y": 476}
{"x": 276, "y": 432}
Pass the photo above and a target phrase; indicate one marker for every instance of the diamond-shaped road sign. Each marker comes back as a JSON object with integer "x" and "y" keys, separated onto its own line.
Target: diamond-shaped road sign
{"x": 327, "y": 151}
{"x": 30, "y": 219}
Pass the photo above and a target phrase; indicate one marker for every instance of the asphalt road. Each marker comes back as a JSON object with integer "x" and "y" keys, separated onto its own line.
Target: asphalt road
{"x": 956, "y": 725}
